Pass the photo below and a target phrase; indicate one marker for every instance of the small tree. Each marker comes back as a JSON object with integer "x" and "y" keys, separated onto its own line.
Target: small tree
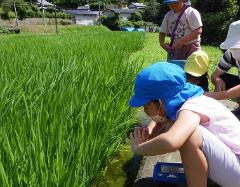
{"x": 136, "y": 16}
{"x": 113, "y": 22}
{"x": 6, "y": 7}
{"x": 154, "y": 12}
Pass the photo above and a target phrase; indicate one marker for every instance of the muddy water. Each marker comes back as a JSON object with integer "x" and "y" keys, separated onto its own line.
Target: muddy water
{"x": 123, "y": 169}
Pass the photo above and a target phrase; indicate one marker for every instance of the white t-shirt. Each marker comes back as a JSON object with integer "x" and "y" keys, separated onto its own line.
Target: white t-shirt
{"x": 223, "y": 124}
{"x": 189, "y": 21}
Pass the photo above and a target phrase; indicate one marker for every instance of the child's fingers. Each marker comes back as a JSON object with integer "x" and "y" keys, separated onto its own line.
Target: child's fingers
{"x": 143, "y": 134}
{"x": 135, "y": 133}
{"x": 147, "y": 130}
{"x": 139, "y": 133}
{"x": 140, "y": 130}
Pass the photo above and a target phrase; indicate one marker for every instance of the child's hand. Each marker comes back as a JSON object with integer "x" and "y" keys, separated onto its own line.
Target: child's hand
{"x": 220, "y": 85}
{"x": 158, "y": 129}
{"x": 166, "y": 47}
{"x": 139, "y": 136}
{"x": 215, "y": 95}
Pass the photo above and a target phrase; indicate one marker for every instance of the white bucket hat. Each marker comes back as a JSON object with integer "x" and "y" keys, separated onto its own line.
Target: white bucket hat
{"x": 233, "y": 36}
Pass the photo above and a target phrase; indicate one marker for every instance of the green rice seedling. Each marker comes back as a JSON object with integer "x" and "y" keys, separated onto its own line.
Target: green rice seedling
{"x": 63, "y": 105}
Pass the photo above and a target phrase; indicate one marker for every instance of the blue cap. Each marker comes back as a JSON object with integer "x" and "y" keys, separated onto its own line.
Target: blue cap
{"x": 158, "y": 81}
{"x": 164, "y": 81}
{"x": 169, "y": 1}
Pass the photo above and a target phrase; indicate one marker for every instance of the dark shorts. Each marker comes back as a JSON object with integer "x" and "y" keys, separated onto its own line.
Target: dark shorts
{"x": 230, "y": 80}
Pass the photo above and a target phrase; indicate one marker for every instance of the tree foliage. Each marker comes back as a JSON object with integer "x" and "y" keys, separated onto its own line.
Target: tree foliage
{"x": 112, "y": 22}
{"x": 137, "y": 16}
{"x": 216, "y": 18}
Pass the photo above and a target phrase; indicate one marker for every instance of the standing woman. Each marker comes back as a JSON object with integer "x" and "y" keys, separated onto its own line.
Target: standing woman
{"x": 205, "y": 132}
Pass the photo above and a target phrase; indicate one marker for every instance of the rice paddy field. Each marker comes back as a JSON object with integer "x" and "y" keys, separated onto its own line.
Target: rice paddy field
{"x": 64, "y": 104}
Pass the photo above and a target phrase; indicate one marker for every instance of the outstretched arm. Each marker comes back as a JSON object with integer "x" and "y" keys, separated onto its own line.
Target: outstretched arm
{"x": 231, "y": 93}
{"x": 170, "y": 141}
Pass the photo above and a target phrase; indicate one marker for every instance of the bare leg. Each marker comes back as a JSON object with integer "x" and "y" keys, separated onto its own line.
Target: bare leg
{"x": 194, "y": 162}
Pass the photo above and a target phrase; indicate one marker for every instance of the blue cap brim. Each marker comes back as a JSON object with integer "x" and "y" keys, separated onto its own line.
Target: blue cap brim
{"x": 169, "y": 1}
{"x": 137, "y": 102}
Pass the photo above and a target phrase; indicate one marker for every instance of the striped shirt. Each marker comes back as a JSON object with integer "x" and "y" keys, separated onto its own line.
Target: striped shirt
{"x": 227, "y": 62}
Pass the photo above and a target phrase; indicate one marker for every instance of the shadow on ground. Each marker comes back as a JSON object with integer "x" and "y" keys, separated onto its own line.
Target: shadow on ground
{"x": 131, "y": 168}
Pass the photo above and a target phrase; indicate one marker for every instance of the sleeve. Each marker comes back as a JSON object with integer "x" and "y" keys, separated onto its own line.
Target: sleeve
{"x": 194, "y": 19}
{"x": 198, "y": 106}
{"x": 164, "y": 25}
{"x": 226, "y": 62}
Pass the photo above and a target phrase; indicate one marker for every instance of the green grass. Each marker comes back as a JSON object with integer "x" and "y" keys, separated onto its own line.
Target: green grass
{"x": 152, "y": 52}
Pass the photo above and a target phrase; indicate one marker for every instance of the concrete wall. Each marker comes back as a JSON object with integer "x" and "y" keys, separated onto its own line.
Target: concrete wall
{"x": 86, "y": 20}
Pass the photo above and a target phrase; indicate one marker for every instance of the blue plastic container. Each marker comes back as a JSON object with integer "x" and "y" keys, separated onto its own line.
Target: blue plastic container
{"x": 169, "y": 172}
{"x": 180, "y": 63}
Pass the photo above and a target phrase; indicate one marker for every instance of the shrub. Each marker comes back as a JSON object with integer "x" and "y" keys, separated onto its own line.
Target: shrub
{"x": 154, "y": 12}
{"x": 15, "y": 30}
{"x": 113, "y": 23}
{"x": 65, "y": 22}
{"x": 35, "y": 8}
{"x": 138, "y": 24}
{"x": 9, "y": 30}
{"x": 136, "y": 16}
{"x": 95, "y": 6}
{"x": 48, "y": 15}
{"x": 30, "y": 13}
{"x": 24, "y": 9}
{"x": 11, "y": 14}
{"x": 4, "y": 30}
{"x": 50, "y": 10}
{"x": 126, "y": 24}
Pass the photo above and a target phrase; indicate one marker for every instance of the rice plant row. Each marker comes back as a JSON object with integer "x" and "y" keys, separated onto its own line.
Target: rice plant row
{"x": 63, "y": 105}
